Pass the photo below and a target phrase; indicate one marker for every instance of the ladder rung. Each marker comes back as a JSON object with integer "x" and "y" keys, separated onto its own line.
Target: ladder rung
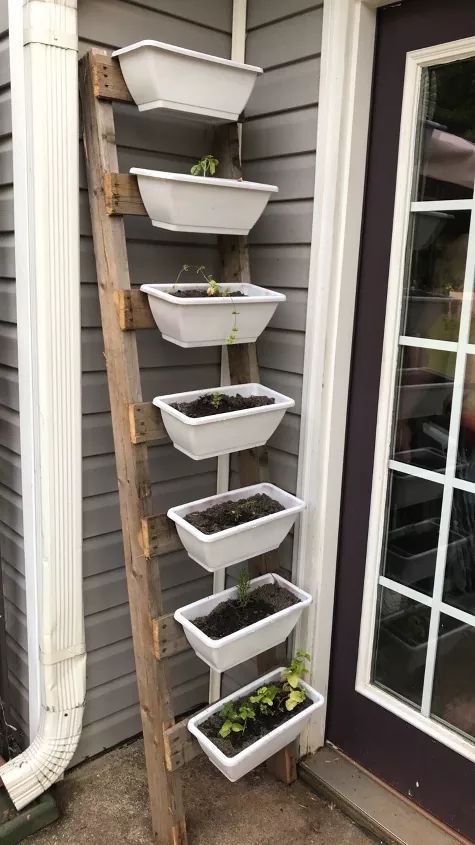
{"x": 122, "y": 195}
{"x": 159, "y": 536}
{"x": 133, "y": 310}
{"x": 107, "y": 80}
{"x": 146, "y": 424}
{"x": 168, "y": 637}
{"x": 180, "y": 746}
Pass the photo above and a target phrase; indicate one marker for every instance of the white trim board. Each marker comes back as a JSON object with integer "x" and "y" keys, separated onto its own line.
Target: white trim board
{"x": 342, "y": 138}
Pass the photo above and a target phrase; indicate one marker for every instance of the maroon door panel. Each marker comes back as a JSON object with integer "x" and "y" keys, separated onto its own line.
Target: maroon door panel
{"x": 435, "y": 777}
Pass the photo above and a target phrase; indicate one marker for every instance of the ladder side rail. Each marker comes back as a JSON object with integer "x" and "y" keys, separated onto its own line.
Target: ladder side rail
{"x": 143, "y": 581}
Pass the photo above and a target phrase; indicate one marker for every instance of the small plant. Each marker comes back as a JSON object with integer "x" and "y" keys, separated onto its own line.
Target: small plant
{"x": 205, "y": 166}
{"x": 216, "y": 399}
{"x": 235, "y": 719}
{"x": 213, "y": 289}
{"x": 231, "y": 338}
{"x": 267, "y": 701}
{"x": 265, "y": 698}
{"x": 243, "y": 590}
{"x": 296, "y": 671}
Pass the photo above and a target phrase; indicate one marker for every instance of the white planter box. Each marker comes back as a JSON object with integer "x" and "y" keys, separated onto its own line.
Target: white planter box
{"x": 216, "y": 551}
{"x": 239, "y": 765}
{"x": 184, "y": 203}
{"x": 162, "y": 76}
{"x": 248, "y": 642}
{"x": 208, "y": 321}
{"x": 220, "y": 434}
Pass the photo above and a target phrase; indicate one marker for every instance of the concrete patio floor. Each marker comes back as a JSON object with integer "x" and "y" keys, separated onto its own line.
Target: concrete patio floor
{"x": 105, "y": 801}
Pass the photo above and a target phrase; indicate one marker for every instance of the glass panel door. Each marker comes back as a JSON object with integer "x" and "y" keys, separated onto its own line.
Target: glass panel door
{"x": 423, "y": 646}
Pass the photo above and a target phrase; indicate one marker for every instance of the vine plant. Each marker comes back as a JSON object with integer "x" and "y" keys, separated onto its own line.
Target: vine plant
{"x": 213, "y": 289}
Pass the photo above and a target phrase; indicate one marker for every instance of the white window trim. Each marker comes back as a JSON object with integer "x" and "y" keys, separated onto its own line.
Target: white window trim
{"x": 415, "y": 63}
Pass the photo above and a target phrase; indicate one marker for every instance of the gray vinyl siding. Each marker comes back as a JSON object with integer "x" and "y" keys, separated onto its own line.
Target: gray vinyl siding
{"x": 279, "y": 139}
{"x": 11, "y": 521}
{"x": 146, "y": 140}
{"x": 279, "y": 135}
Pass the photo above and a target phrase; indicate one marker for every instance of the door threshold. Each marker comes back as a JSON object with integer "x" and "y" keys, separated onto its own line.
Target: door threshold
{"x": 372, "y": 805}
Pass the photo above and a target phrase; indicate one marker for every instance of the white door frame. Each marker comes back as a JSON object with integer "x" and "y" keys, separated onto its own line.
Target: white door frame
{"x": 343, "y": 119}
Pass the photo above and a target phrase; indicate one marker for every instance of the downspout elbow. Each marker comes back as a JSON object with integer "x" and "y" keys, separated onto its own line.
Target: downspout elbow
{"x": 34, "y": 771}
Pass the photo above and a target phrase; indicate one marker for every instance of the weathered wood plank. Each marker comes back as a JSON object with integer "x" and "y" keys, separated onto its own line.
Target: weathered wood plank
{"x": 180, "y": 746}
{"x": 146, "y": 424}
{"x": 135, "y": 490}
{"x": 122, "y": 195}
{"x": 133, "y": 310}
{"x": 168, "y": 637}
{"x": 159, "y": 536}
{"x": 107, "y": 80}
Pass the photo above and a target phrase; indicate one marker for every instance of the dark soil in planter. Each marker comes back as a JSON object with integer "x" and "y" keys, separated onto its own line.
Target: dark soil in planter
{"x": 200, "y": 293}
{"x": 229, "y": 514}
{"x": 256, "y": 728}
{"x": 231, "y": 616}
{"x": 204, "y": 406}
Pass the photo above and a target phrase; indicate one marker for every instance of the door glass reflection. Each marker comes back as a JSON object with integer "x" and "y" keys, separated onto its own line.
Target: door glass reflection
{"x": 453, "y": 697}
{"x": 447, "y": 132}
{"x": 459, "y": 580}
{"x": 402, "y": 630}
{"x": 435, "y": 272}
{"x": 412, "y": 531}
{"x": 424, "y": 387}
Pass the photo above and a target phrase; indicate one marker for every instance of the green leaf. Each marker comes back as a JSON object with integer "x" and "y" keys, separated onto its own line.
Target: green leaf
{"x": 225, "y": 729}
{"x": 237, "y": 727}
{"x": 295, "y": 697}
{"x": 293, "y": 679}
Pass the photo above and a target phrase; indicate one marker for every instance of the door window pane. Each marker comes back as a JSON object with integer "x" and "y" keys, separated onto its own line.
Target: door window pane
{"x": 412, "y": 533}
{"x": 402, "y": 630}
{"x": 436, "y": 258}
{"x": 459, "y": 581}
{"x": 446, "y": 132}
{"x": 424, "y": 388}
{"x": 466, "y": 438}
{"x": 453, "y": 698}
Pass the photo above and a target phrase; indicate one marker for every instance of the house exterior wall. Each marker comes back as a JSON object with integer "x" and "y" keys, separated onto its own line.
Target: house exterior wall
{"x": 11, "y": 523}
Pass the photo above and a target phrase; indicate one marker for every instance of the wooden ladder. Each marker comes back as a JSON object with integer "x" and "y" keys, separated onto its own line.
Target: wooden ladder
{"x": 147, "y": 536}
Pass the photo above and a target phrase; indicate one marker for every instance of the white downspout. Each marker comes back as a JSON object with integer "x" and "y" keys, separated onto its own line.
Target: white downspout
{"x": 43, "y": 50}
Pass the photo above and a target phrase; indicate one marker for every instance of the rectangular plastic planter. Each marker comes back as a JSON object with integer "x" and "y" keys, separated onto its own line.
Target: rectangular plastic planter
{"x": 184, "y": 203}
{"x": 239, "y": 765}
{"x": 215, "y": 551}
{"x": 409, "y": 568}
{"x": 208, "y": 321}
{"x": 229, "y": 651}
{"x": 163, "y": 76}
{"x": 423, "y": 393}
{"x": 220, "y": 434}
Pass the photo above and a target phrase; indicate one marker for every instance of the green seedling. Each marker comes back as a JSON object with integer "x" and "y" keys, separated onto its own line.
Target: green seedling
{"x": 205, "y": 166}
{"x": 266, "y": 699}
{"x": 243, "y": 588}
{"x": 216, "y": 399}
{"x": 236, "y": 719}
{"x": 296, "y": 671}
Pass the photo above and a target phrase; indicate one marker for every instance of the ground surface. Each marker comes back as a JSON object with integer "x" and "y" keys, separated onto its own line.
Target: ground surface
{"x": 105, "y": 802}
